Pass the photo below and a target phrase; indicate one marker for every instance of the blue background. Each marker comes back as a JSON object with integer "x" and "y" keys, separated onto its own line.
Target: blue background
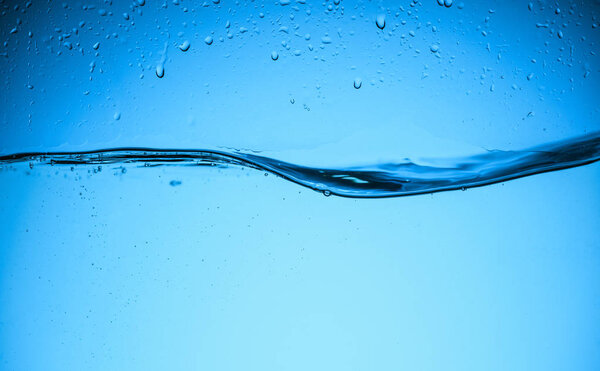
{"x": 236, "y": 270}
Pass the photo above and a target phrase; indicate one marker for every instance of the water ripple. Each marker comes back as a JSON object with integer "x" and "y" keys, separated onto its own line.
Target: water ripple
{"x": 371, "y": 181}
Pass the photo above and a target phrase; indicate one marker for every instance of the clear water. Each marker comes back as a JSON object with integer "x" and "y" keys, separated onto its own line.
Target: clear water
{"x": 163, "y": 167}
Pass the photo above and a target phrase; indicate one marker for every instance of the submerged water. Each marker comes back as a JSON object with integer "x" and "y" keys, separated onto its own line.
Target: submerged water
{"x": 159, "y": 162}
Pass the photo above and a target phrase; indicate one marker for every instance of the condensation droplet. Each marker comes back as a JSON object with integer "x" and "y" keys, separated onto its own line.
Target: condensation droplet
{"x": 274, "y": 55}
{"x": 208, "y": 40}
{"x": 160, "y": 71}
{"x": 380, "y": 21}
{"x": 357, "y": 83}
{"x": 185, "y": 46}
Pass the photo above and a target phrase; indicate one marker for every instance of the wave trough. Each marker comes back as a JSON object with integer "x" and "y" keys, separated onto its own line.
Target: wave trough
{"x": 370, "y": 181}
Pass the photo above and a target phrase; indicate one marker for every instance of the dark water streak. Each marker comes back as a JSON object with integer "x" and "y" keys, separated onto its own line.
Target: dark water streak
{"x": 371, "y": 181}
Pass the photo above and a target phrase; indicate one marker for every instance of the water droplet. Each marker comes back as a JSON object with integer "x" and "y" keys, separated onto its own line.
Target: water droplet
{"x": 141, "y": 2}
{"x": 208, "y": 40}
{"x": 274, "y": 55}
{"x": 327, "y": 193}
{"x": 284, "y": 2}
{"x": 96, "y": 46}
{"x": 326, "y": 40}
{"x": 160, "y": 71}
{"x": 185, "y": 46}
{"x": 357, "y": 83}
{"x": 380, "y": 21}
{"x": 292, "y": 100}
{"x": 434, "y": 48}
{"x": 117, "y": 116}
{"x": 448, "y": 3}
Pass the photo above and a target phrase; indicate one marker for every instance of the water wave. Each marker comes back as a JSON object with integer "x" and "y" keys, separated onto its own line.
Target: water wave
{"x": 371, "y": 181}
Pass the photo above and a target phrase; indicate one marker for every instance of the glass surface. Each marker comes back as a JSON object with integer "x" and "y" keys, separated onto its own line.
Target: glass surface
{"x": 256, "y": 185}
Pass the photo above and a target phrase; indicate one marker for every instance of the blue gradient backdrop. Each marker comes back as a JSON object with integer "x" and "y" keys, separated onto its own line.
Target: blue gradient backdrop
{"x": 234, "y": 270}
